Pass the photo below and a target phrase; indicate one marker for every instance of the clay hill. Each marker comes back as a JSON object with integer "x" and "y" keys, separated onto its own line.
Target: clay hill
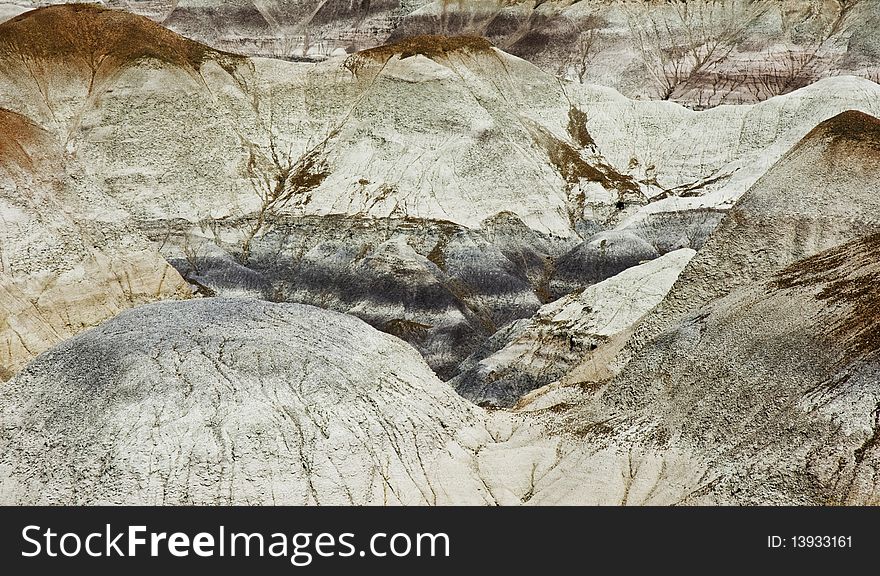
{"x": 700, "y": 53}
{"x": 237, "y": 279}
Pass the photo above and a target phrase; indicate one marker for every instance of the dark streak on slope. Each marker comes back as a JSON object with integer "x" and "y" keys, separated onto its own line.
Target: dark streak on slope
{"x": 847, "y": 276}
{"x": 573, "y": 167}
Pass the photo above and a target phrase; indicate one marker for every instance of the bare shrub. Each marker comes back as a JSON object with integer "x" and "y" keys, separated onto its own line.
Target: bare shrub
{"x": 288, "y": 181}
{"x": 678, "y": 44}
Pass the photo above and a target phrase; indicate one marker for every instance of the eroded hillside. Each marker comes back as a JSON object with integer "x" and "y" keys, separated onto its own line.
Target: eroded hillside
{"x": 354, "y": 256}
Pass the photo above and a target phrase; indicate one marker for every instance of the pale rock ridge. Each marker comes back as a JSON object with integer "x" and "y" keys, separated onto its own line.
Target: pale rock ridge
{"x": 774, "y": 386}
{"x": 674, "y": 449}
{"x": 754, "y": 381}
{"x": 579, "y": 330}
{"x": 226, "y": 401}
{"x": 761, "y": 362}
{"x": 373, "y": 143}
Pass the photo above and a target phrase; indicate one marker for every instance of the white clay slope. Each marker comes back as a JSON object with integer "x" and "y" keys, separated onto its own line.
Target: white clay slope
{"x": 459, "y": 137}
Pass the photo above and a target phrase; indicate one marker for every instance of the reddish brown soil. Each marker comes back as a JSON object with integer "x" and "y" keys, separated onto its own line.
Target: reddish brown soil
{"x": 100, "y": 39}
{"x": 852, "y": 126}
{"x": 19, "y": 138}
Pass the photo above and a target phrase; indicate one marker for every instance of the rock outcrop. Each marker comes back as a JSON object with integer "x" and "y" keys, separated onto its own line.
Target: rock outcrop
{"x": 440, "y": 286}
{"x": 760, "y": 362}
{"x": 821, "y": 194}
{"x": 584, "y": 330}
{"x": 773, "y": 388}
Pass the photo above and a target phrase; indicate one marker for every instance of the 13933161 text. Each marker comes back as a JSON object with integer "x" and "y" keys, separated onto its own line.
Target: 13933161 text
{"x": 809, "y": 541}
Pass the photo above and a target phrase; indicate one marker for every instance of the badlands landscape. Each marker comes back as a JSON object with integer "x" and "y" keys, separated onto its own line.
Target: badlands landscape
{"x": 619, "y": 252}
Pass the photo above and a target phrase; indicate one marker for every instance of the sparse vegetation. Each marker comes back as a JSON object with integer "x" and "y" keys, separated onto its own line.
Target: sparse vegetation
{"x": 694, "y": 36}
{"x": 289, "y": 180}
